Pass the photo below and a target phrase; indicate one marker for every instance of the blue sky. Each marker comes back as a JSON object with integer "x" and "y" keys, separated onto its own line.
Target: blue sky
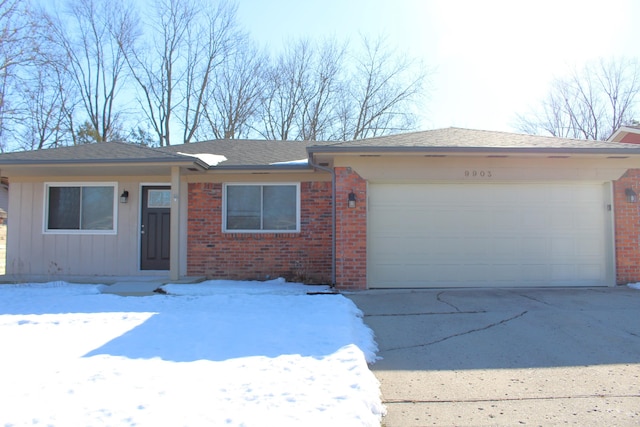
{"x": 491, "y": 58}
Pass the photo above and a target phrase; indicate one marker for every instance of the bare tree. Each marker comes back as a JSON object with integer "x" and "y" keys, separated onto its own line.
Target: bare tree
{"x": 303, "y": 90}
{"x": 314, "y": 93}
{"x": 190, "y": 39}
{"x": 320, "y": 96}
{"x": 286, "y": 81}
{"x": 234, "y": 99}
{"x": 154, "y": 67}
{"x": 94, "y": 34}
{"x": 46, "y": 102}
{"x": 17, "y": 49}
{"x": 210, "y": 47}
{"x": 384, "y": 89}
{"x": 48, "y": 96}
{"x": 195, "y": 74}
{"x": 591, "y": 103}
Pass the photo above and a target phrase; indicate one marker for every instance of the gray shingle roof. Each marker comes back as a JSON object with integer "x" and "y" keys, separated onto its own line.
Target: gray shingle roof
{"x": 457, "y": 139}
{"x": 261, "y": 153}
{"x": 111, "y": 152}
{"x": 246, "y": 152}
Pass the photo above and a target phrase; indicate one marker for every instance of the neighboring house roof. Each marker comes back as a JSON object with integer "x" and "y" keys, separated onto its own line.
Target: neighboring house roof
{"x": 468, "y": 140}
{"x": 626, "y": 134}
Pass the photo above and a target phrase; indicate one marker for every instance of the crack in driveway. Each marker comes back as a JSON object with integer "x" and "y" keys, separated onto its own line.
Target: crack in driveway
{"x": 484, "y": 328}
{"x": 439, "y": 298}
{"x": 533, "y": 299}
{"x": 429, "y": 313}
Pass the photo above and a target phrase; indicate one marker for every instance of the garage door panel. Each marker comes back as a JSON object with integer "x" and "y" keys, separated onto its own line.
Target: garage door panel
{"x": 505, "y": 247}
{"x": 564, "y": 272}
{"x": 534, "y": 247}
{"x": 535, "y": 273}
{"x": 486, "y": 235}
{"x": 472, "y": 247}
{"x": 535, "y": 220}
{"x": 562, "y": 247}
{"x": 589, "y": 250}
{"x": 585, "y": 222}
{"x": 563, "y": 219}
{"x": 506, "y": 272}
{"x": 507, "y": 219}
{"x": 585, "y": 271}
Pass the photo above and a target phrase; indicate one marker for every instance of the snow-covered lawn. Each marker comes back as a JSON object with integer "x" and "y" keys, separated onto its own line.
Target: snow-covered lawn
{"x": 212, "y": 354}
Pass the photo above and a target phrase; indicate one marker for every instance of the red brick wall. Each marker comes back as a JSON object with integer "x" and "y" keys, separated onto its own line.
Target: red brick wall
{"x": 304, "y": 256}
{"x": 351, "y": 231}
{"x": 627, "y": 225}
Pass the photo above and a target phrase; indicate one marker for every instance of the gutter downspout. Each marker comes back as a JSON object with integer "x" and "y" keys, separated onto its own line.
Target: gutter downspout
{"x": 333, "y": 216}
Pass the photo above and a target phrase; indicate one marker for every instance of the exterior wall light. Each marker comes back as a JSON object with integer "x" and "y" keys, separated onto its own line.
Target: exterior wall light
{"x": 352, "y": 199}
{"x": 124, "y": 197}
{"x": 631, "y": 195}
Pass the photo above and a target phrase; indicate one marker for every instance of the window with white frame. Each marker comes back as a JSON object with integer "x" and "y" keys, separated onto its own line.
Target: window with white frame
{"x": 261, "y": 208}
{"x": 80, "y": 208}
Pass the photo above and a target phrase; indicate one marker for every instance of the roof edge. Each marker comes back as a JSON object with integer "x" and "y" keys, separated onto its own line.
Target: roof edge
{"x": 244, "y": 168}
{"x": 474, "y": 150}
{"x": 111, "y": 162}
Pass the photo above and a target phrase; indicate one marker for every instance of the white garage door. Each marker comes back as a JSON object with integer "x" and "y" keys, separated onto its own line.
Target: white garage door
{"x": 455, "y": 235}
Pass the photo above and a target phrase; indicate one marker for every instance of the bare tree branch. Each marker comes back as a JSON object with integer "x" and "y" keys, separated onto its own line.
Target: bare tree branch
{"x": 18, "y": 49}
{"x": 318, "y": 118}
{"x": 591, "y": 103}
{"x": 233, "y": 100}
{"x": 384, "y": 87}
{"x": 91, "y": 33}
{"x": 284, "y": 94}
{"x": 210, "y": 47}
{"x": 190, "y": 40}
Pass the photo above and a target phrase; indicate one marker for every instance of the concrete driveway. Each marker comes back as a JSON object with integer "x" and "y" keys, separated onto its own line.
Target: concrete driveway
{"x": 507, "y": 356}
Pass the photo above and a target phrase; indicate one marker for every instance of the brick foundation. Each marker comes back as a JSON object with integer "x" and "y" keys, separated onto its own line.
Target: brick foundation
{"x": 302, "y": 257}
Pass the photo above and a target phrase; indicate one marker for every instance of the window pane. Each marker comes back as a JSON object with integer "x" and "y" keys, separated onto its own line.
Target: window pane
{"x": 243, "y": 207}
{"x": 159, "y": 199}
{"x": 279, "y": 207}
{"x": 97, "y": 208}
{"x": 64, "y": 208}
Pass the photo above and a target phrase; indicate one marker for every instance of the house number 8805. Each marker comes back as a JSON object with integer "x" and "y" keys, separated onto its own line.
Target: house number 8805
{"x": 477, "y": 174}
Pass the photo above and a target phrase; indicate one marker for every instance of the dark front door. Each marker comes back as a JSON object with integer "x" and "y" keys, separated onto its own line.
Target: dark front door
{"x": 155, "y": 228}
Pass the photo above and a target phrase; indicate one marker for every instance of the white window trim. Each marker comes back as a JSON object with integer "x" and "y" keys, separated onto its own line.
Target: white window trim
{"x": 48, "y": 185}
{"x": 262, "y": 184}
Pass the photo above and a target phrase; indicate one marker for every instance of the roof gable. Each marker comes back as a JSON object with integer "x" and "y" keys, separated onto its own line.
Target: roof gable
{"x": 626, "y": 134}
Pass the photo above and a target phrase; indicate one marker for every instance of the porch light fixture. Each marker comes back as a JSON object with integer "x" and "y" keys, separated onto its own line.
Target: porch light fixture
{"x": 352, "y": 199}
{"x": 124, "y": 197}
{"x": 632, "y": 197}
